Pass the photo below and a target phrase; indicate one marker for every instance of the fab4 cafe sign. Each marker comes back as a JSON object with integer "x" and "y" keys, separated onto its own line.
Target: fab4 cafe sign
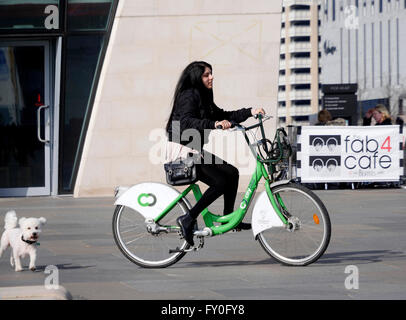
{"x": 349, "y": 154}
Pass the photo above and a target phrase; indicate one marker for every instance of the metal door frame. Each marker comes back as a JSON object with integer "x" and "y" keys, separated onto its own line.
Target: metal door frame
{"x": 51, "y": 122}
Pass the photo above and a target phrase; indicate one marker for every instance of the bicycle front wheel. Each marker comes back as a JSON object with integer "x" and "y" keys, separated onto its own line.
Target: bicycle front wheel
{"x": 306, "y": 236}
{"x": 146, "y": 248}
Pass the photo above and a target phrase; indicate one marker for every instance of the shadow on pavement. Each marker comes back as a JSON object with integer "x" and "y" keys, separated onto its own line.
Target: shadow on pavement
{"x": 355, "y": 257}
{"x": 224, "y": 263}
{"x": 65, "y": 266}
{"x": 371, "y": 256}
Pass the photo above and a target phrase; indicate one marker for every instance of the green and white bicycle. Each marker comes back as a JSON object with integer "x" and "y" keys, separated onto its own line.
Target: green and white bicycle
{"x": 290, "y": 222}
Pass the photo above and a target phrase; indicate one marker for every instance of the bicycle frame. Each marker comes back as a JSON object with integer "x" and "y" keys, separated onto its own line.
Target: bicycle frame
{"x": 149, "y": 198}
{"x": 231, "y": 220}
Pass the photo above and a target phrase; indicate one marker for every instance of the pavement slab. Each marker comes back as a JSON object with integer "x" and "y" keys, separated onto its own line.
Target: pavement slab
{"x": 367, "y": 232}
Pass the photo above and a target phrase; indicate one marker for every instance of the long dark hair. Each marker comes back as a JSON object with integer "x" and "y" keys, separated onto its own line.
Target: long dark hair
{"x": 191, "y": 78}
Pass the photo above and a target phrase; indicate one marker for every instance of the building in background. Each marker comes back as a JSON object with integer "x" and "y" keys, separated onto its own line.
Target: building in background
{"x": 364, "y": 43}
{"x": 51, "y": 55}
{"x": 298, "y": 95}
{"x": 86, "y": 85}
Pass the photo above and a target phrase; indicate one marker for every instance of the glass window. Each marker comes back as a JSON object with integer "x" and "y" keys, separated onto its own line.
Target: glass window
{"x": 82, "y": 55}
{"x": 88, "y": 14}
{"x": 29, "y": 14}
{"x": 22, "y": 80}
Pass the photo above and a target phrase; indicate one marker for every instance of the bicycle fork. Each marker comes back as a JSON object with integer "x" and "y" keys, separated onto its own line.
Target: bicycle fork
{"x": 277, "y": 203}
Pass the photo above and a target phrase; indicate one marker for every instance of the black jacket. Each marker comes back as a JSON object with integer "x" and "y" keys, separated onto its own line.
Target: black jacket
{"x": 191, "y": 113}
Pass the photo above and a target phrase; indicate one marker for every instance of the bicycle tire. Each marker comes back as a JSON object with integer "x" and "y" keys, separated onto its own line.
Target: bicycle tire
{"x": 134, "y": 253}
{"x": 275, "y": 241}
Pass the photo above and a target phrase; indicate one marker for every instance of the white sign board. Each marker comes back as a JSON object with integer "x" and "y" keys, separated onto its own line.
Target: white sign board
{"x": 349, "y": 154}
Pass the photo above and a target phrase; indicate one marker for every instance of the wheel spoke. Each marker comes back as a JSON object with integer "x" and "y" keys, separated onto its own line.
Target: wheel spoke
{"x": 137, "y": 238}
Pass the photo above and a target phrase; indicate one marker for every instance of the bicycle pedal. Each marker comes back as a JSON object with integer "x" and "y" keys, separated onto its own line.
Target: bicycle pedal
{"x": 176, "y": 250}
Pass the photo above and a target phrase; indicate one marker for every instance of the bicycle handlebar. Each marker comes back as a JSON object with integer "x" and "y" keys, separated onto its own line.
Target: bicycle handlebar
{"x": 235, "y": 125}
{"x": 273, "y": 155}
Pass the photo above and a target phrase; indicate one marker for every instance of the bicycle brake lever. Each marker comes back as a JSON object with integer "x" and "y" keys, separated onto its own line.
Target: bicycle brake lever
{"x": 236, "y": 126}
{"x": 263, "y": 117}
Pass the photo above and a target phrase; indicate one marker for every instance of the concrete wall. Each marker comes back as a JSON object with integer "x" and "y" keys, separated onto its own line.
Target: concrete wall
{"x": 151, "y": 43}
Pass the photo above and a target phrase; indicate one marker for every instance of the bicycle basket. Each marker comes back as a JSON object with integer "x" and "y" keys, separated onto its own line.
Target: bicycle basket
{"x": 282, "y": 147}
{"x": 278, "y": 150}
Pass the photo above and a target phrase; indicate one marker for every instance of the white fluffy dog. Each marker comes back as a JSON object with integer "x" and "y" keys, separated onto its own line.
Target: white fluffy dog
{"x": 22, "y": 240}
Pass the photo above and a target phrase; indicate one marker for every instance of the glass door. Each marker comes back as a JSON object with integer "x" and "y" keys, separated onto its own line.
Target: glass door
{"x": 25, "y": 118}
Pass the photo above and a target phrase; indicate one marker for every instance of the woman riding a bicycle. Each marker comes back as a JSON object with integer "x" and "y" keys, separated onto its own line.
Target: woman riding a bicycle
{"x": 289, "y": 221}
{"x": 194, "y": 108}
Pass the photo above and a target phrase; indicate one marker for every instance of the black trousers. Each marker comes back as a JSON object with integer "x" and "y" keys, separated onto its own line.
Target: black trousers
{"x": 222, "y": 179}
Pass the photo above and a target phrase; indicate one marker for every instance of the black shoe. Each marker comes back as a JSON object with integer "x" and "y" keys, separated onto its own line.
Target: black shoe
{"x": 186, "y": 224}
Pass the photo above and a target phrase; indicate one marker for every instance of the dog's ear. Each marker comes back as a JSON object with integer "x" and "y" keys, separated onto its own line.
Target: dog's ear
{"x": 21, "y": 221}
{"x": 42, "y": 220}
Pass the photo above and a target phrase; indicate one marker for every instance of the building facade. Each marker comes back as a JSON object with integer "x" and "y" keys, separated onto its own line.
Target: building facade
{"x": 86, "y": 86}
{"x": 363, "y": 42}
{"x": 51, "y": 55}
{"x": 298, "y": 95}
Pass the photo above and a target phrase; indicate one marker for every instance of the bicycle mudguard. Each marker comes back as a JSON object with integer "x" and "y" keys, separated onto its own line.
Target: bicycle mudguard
{"x": 263, "y": 215}
{"x": 148, "y": 198}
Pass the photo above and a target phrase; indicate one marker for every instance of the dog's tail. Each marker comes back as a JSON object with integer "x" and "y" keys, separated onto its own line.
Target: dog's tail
{"x": 10, "y": 220}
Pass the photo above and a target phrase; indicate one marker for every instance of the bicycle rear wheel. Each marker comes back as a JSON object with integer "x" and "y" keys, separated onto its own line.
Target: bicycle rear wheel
{"x": 143, "y": 247}
{"x": 308, "y": 232}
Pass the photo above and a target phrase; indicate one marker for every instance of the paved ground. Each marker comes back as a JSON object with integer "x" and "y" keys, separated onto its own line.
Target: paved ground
{"x": 368, "y": 232}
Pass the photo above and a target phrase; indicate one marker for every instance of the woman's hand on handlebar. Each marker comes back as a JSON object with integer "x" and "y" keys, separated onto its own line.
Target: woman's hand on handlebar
{"x": 257, "y": 111}
{"x": 224, "y": 124}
